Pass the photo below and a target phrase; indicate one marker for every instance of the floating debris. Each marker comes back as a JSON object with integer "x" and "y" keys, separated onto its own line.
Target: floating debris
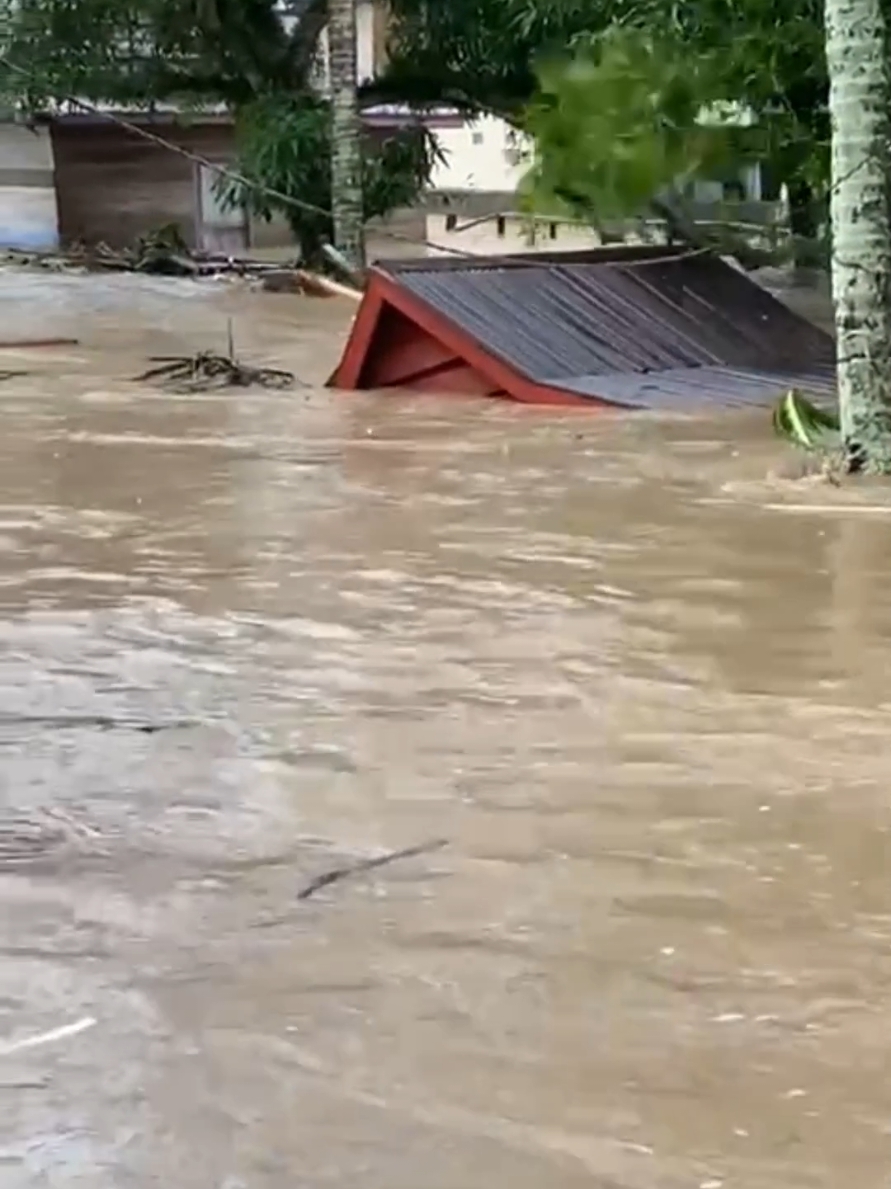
{"x": 101, "y": 722}
{"x": 27, "y": 344}
{"x": 315, "y": 285}
{"x": 803, "y": 423}
{"x": 308, "y": 284}
{"x": 207, "y": 371}
{"x": 6, "y": 375}
{"x": 362, "y": 865}
{"x": 162, "y": 252}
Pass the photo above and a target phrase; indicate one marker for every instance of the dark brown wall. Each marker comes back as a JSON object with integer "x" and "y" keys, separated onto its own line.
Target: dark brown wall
{"x": 113, "y": 185}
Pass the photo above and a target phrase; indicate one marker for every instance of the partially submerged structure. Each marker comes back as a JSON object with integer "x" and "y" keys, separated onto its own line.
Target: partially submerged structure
{"x": 633, "y": 327}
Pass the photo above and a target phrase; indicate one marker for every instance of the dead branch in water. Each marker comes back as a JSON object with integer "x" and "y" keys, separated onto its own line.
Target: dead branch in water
{"x": 164, "y": 252}
{"x": 206, "y": 371}
{"x": 362, "y": 865}
{"x": 10, "y": 375}
{"x": 101, "y": 722}
{"x": 27, "y": 344}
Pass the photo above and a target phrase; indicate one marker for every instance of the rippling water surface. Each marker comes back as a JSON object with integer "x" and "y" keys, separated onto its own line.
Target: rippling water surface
{"x": 640, "y": 688}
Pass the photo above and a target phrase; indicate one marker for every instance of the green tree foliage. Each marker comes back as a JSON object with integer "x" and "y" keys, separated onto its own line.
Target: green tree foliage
{"x": 255, "y": 56}
{"x": 157, "y": 50}
{"x": 488, "y": 55}
{"x": 480, "y": 55}
{"x": 774, "y": 61}
{"x": 618, "y": 122}
{"x": 285, "y": 146}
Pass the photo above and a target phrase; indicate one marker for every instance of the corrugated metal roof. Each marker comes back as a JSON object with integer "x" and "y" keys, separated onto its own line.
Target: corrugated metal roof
{"x": 683, "y": 388}
{"x": 627, "y": 317}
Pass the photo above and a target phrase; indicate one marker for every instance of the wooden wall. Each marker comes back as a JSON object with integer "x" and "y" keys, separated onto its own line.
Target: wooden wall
{"x": 113, "y": 185}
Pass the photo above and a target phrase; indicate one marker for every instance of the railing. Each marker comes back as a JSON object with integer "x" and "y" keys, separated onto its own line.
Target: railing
{"x": 768, "y": 231}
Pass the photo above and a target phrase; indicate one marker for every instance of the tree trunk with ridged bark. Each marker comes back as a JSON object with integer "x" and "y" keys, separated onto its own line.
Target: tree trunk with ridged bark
{"x": 346, "y": 147}
{"x": 860, "y": 107}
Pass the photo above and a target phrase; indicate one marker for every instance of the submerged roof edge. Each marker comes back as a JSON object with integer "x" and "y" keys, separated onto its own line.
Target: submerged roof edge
{"x": 607, "y": 254}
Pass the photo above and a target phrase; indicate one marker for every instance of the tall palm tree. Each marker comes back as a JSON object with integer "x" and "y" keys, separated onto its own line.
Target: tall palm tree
{"x": 346, "y": 148}
{"x": 857, "y": 46}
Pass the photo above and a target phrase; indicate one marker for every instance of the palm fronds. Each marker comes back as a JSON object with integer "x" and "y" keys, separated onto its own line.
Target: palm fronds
{"x": 801, "y": 422}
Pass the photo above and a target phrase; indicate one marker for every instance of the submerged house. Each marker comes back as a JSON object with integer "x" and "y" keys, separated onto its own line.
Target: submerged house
{"x": 644, "y": 327}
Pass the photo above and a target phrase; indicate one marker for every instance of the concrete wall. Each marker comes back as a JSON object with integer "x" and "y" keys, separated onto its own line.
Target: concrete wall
{"x": 748, "y": 177}
{"x": 28, "y": 216}
{"x": 495, "y": 237}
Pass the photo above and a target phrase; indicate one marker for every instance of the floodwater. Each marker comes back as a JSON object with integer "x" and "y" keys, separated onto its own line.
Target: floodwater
{"x": 639, "y": 686}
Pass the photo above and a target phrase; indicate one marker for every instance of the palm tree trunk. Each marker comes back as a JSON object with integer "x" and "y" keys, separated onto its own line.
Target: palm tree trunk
{"x": 346, "y": 147}
{"x": 860, "y": 107}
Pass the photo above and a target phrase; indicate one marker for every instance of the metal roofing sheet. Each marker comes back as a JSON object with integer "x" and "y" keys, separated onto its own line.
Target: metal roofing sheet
{"x": 555, "y": 320}
{"x": 692, "y": 387}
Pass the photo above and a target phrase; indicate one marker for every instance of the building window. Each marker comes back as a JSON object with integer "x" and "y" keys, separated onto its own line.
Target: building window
{"x": 476, "y": 138}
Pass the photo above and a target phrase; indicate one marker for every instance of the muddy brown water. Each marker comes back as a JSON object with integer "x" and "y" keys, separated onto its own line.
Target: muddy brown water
{"x": 638, "y": 685}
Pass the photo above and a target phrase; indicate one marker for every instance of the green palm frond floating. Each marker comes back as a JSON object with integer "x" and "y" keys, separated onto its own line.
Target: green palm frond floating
{"x": 799, "y": 421}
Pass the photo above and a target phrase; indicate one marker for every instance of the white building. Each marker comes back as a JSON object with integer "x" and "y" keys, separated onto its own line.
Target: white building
{"x": 488, "y": 155}
{"x": 481, "y": 155}
{"x": 472, "y": 191}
